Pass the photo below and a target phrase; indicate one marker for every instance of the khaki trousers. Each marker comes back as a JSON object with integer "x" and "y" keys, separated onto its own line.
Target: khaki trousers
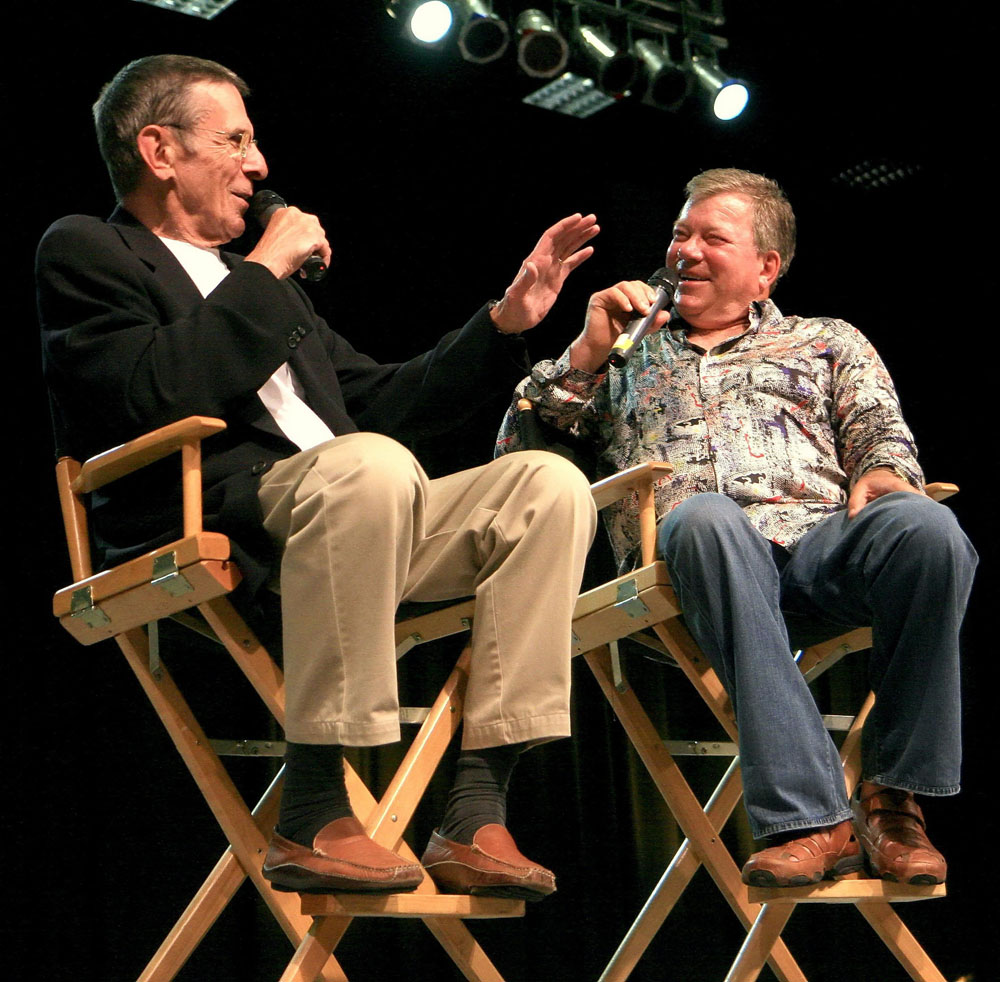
{"x": 362, "y": 528}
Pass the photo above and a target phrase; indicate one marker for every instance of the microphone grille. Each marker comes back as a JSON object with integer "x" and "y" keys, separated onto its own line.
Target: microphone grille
{"x": 262, "y": 203}
{"x": 665, "y": 277}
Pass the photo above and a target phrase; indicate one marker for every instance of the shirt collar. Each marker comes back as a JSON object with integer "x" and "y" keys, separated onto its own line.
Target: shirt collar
{"x": 762, "y": 313}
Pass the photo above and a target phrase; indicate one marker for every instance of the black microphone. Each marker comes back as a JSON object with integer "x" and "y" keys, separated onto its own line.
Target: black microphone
{"x": 665, "y": 280}
{"x": 263, "y": 205}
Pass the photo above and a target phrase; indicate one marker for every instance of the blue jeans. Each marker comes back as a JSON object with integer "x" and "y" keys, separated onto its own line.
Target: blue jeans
{"x": 901, "y": 566}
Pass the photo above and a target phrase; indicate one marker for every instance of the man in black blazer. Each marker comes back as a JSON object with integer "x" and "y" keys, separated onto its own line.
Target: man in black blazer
{"x": 145, "y": 321}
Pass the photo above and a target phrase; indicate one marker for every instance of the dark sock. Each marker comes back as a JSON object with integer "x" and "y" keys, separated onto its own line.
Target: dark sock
{"x": 315, "y": 791}
{"x": 479, "y": 795}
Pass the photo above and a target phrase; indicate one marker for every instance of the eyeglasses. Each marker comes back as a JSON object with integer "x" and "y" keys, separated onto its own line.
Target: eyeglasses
{"x": 239, "y": 142}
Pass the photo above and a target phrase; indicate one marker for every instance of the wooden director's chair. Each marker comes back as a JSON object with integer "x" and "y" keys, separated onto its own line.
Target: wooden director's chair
{"x": 189, "y": 580}
{"x": 641, "y": 602}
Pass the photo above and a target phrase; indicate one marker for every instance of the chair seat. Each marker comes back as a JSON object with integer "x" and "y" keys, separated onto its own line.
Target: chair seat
{"x": 847, "y": 891}
{"x": 409, "y": 905}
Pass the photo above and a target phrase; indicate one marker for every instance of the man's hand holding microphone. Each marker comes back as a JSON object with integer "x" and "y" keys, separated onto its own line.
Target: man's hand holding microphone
{"x": 619, "y": 317}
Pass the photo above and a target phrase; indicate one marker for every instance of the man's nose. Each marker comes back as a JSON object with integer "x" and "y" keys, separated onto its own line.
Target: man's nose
{"x": 254, "y": 164}
{"x": 688, "y": 252}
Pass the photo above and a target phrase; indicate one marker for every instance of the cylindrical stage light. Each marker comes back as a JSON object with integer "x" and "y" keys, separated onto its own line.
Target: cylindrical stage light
{"x": 616, "y": 70}
{"x": 484, "y": 36}
{"x": 729, "y": 95}
{"x": 669, "y": 84}
{"x": 427, "y": 22}
{"x": 542, "y": 51}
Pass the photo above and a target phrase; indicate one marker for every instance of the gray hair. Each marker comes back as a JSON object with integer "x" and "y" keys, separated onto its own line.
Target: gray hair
{"x": 773, "y": 218}
{"x": 148, "y": 91}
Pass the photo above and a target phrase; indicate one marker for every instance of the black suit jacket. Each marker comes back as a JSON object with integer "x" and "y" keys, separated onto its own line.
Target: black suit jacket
{"x": 129, "y": 344}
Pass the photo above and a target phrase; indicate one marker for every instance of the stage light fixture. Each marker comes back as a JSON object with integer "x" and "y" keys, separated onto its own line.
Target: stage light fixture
{"x": 484, "y": 36}
{"x": 616, "y": 70}
{"x": 668, "y": 84}
{"x": 729, "y": 95}
{"x": 206, "y": 9}
{"x": 571, "y": 95}
{"x": 542, "y": 52}
{"x": 425, "y": 21}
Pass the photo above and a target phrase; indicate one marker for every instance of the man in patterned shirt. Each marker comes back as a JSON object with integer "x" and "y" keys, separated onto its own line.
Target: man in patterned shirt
{"x": 794, "y": 513}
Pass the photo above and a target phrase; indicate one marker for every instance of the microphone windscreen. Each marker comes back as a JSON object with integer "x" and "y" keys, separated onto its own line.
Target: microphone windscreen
{"x": 667, "y": 278}
{"x": 264, "y": 204}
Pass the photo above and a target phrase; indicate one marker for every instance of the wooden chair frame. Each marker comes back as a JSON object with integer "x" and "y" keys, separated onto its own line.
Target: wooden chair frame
{"x": 195, "y": 572}
{"x": 644, "y": 600}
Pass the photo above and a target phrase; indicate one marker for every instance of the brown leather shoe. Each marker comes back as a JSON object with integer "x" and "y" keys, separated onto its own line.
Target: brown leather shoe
{"x": 342, "y": 860}
{"x": 890, "y": 827}
{"x": 491, "y": 867}
{"x": 829, "y": 853}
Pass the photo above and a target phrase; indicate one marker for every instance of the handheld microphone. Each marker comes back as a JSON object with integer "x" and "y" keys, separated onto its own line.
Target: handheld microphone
{"x": 665, "y": 280}
{"x": 263, "y": 205}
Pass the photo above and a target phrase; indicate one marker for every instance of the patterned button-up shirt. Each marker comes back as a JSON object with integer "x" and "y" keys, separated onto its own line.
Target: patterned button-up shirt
{"x": 782, "y": 419}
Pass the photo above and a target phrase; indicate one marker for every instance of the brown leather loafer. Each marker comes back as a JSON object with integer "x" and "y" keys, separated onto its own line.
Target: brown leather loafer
{"x": 822, "y": 853}
{"x": 890, "y": 827}
{"x": 491, "y": 867}
{"x": 342, "y": 860}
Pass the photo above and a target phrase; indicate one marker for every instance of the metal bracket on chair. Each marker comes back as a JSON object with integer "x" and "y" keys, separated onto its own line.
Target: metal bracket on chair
{"x": 617, "y": 672}
{"x": 168, "y": 577}
{"x": 413, "y": 714}
{"x": 628, "y": 600}
{"x": 248, "y": 748}
{"x": 410, "y": 641}
{"x": 155, "y": 666}
{"x": 81, "y": 606}
{"x": 701, "y": 748}
{"x": 839, "y": 724}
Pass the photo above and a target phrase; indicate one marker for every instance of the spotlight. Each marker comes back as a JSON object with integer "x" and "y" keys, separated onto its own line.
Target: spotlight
{"x": 729, "y": 95}
{"x": 426, "y": 21}
{"x": 542, "y": 51}
{"x": 484, "y": 35}
{"x": 669, "y": 84}
{"x": 616, "y": 70}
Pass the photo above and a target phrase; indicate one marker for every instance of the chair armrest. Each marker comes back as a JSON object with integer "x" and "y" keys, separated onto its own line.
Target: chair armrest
{"x": 74, "y": 481}
{"x": 940, "y": 490}
{"x": 640, "y": 479}
{"x": 115, "y": 463}
{"x": 641, "y": 476}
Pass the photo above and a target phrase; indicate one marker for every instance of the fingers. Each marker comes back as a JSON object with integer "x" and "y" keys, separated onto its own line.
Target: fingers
{"x": 625, "y": 298}
{"x": 564, "y": 239}
{"x": 576, "y": 259}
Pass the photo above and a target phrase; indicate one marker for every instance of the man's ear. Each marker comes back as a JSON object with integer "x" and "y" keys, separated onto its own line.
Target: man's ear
{"x": 157, "y": 148}
{"x": 770, "y": 266}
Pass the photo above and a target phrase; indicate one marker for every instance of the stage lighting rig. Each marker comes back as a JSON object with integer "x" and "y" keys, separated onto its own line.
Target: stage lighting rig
{"x": 206, "y": 9}
{"x": 597, "y": 52}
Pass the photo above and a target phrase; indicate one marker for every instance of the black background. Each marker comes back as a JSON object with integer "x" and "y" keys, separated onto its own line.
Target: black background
{"x": 433, "y": 181}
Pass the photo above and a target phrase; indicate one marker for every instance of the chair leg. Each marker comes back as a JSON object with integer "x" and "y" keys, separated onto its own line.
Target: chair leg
{"x": 898, "y": 939}
{"x": 385, "y": 822}
{"x": 759, "y": 943}
{"x": 673, "y": 883}
{"x": 208, "y": 903}
{"x": 685, "y": 807}
{"x": 246, "y": 839}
